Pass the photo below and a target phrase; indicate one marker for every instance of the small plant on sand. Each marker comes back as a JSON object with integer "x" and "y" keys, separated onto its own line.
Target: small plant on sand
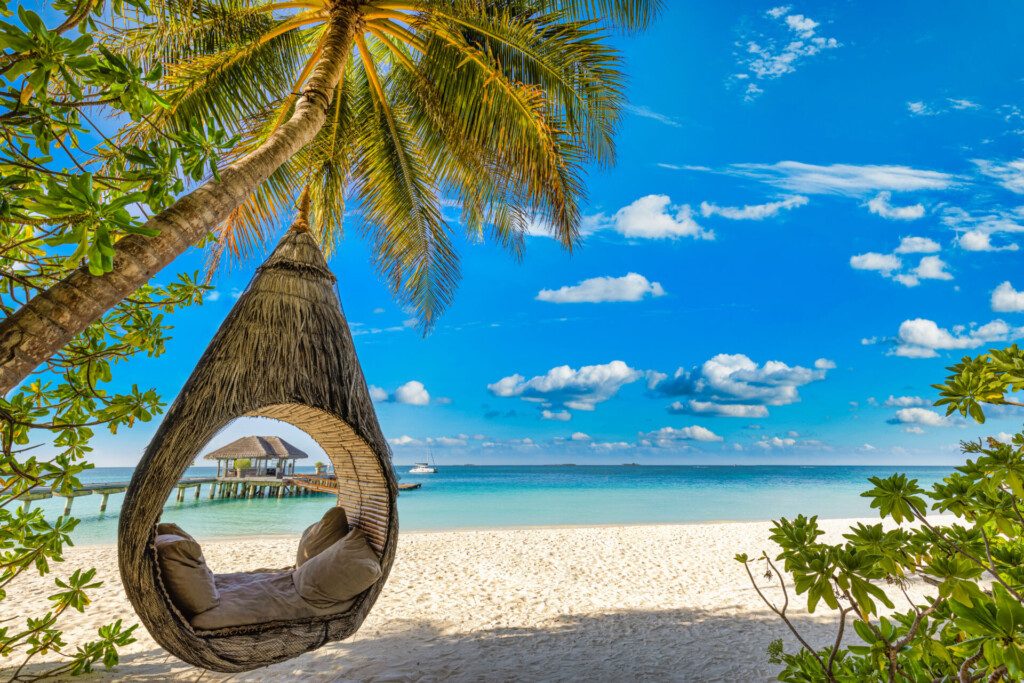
{"x": 67, "y": 194}
{"x": 972, "y": 627}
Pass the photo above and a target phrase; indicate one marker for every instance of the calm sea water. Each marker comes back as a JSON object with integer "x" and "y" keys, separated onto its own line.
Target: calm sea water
{"x": 492, "y": 497}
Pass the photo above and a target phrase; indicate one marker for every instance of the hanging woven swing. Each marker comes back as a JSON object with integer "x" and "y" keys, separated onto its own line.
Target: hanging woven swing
{"x": 284, "y": 352}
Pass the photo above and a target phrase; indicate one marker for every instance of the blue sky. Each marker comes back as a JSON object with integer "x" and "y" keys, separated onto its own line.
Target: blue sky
{"x": 815, "y": 210}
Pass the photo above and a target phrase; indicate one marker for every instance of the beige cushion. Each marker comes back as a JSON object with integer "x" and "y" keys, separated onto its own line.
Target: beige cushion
{"x": 186, "y": 577}
{"x": 172, "y": 529}
{"x": 259, "y": 598}
{"x": 320, "y": 536}
{"x": 339, "y": 573}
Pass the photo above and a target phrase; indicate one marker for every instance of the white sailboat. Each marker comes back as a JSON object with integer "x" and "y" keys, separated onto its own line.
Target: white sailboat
{"x": 425, "y": 467}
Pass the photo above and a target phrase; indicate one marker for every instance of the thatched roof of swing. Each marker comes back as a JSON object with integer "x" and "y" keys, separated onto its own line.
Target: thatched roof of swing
{"x": 257, "y": 448}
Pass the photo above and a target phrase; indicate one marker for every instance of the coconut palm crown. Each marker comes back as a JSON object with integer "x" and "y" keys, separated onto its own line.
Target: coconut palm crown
{"x": 492, "y": 106}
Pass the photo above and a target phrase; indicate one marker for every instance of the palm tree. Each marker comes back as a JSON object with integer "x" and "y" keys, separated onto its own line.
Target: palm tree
{"x": 403, "y": 104}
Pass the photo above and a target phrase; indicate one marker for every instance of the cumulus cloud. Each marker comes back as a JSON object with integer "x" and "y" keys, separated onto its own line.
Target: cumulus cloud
{"x": 695, "y": 407}
{"x": 404, "y": 440}
{"x": 923, "y": 338}
{"x": 787, "y": 40}
{"x": 575, "y": 389}
{"x": 917, "y": 245}
{"x": 919, "y": 108}
{"x": 846, "y": 179}
{"x": 883, "y": 263}
{"x": 412, "y": 393}
{"x": 558, "y": 415}
{"x": 976, "y": 229}
{"x": 880, "y": 205}
{"x": 211, "y": 296}
{"x": 776, "y": 442}
{"x": 891, "y": 265}
{"x": 669, "y": 436}
{"x": 1009, "y": 174}
{"x": 1007, "y": 299}
{"x": 904, "y": 401}
{"x": 919, "y": 416}
{"x": 630, "y": 287}
{"x": 655, "y": 217}
{"x": 754, "y": 212}
{"x": 579, "y": 436}
{"x": 733, "y": 385}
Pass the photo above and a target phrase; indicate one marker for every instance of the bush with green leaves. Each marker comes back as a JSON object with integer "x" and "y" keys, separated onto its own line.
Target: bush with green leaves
{"x": 68, "y": 193}
{"x": 972, "y": 627}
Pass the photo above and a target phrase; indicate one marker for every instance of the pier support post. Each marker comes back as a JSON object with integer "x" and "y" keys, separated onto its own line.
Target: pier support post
{"x": 213, "y": 490}
{"x": 103, "y": 502}
{"x": 67, "y": 506}
{"x": 199, "y": 490}
{"x": 26, "y": 504}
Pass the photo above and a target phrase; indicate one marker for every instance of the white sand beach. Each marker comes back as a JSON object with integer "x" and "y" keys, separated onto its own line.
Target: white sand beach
{"x": 554, "y": 604}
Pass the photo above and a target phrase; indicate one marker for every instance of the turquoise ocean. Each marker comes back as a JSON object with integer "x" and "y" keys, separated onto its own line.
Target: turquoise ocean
{"x": 473, "y": 497}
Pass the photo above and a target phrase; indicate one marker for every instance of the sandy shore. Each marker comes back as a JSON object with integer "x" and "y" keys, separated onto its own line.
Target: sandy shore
{"x": 600, "y": 603}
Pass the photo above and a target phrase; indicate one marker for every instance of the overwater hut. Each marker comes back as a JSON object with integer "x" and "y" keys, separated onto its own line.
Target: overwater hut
{"x": 268, "y": 456}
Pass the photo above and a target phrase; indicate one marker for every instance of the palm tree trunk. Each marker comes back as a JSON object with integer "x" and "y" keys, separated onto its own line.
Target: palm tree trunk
{"x": 48, "y": 321}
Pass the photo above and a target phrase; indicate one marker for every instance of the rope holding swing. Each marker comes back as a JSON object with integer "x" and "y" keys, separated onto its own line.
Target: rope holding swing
{"x": 285, "y": 352}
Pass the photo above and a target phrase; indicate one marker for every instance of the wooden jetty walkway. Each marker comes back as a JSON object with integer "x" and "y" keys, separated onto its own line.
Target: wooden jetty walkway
{"x": 222, "y": 487}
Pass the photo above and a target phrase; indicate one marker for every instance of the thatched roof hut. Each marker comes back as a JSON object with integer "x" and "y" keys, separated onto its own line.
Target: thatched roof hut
{"x": 257, "y": 447}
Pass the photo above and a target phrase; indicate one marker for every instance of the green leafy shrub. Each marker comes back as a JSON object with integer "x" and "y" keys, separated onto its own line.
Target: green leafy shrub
{"x": 972, "y": 628}
{"x": 67, "y": 194}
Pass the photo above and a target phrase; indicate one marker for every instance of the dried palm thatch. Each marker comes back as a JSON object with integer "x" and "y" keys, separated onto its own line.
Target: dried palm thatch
{"x": 257, "y": 448}
{"x": 284, "y": 352}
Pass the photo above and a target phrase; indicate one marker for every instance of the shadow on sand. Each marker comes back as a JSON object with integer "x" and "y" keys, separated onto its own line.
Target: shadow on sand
{"x": 670, "y": 645}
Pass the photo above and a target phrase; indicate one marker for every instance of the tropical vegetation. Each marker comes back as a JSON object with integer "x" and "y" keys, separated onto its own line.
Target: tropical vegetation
{"x": 972, "y": 627}
{"x": 405, "y": 105}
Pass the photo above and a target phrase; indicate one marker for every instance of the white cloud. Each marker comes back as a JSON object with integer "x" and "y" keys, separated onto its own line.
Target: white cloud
{"x": 718, "y": 409}
{"x": 776, "y": 442}
{"x": 655, "y": 217}
{"x": 977, "y": 240}
{"x": 729, "y": 380}
{"x": 211, "y": 296}
{"x": 976, "y": 229}
{"x": 412, "y": 393}
{"x": 918, "y": 108}
{"x": 1007, "y": 299}
{"x": 404, "y": 440}
{"x": 962, "y": 104}
{"x": 648, "y": 113}
{"x": 932, "y": 268}
{"x": 579, "y": 436}
{"x": 847, "y": 179}
{"x": 667, "y": 436}
{"x": 754, "y": 212}
{"x": 881, "y": 206}
{"x": 923, "y": 338}
{"x": 378, "y": 394}
{"x": 630, "y": 287}
{"x": 1009, "y": 174}
{"x": 611, "y": 445}
{"x": 904, "y": 401}
{"x": 792, "y": 38}
{"x": 919, "y": 416}
{"x": 557, "y": 415}
{"x": 579, "y": 389}
{"x": 917, "y": 245}
{"x": 883, "y": 263}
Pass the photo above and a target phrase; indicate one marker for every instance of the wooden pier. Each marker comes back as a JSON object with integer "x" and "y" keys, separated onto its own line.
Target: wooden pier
{"x": 219, "y": 487}
{"x": 329, "y": 483}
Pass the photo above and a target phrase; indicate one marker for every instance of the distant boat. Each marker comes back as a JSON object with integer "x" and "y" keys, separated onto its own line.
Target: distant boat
{"x": 631, "y": 464}
{"x": 423, "y": 468}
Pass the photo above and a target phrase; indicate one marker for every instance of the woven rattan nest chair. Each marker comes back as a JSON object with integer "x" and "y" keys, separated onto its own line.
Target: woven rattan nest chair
{"x": 284, "y": 352}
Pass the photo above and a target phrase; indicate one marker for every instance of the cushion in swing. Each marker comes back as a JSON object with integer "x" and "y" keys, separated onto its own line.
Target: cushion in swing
{"x": 340, "y": 573}
{"x": 184, "y": 573}
{"x": 321, "y": 535}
